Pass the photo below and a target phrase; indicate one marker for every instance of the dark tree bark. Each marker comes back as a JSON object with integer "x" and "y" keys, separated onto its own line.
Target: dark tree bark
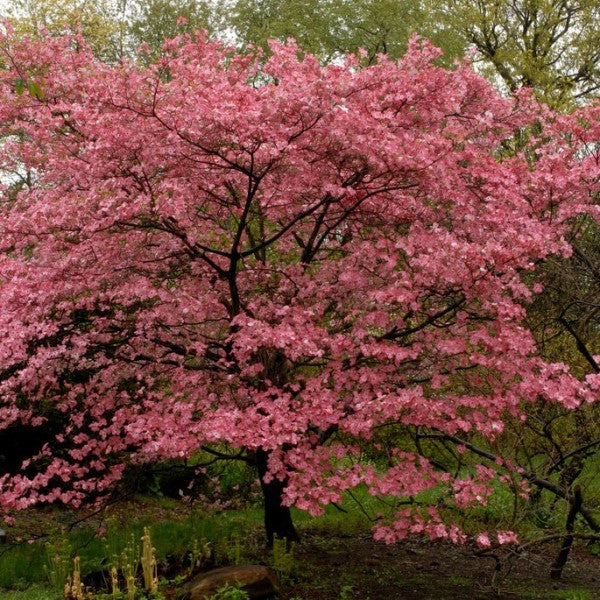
{"x": 563, "y": 554}
{"x": 278, "y": 518}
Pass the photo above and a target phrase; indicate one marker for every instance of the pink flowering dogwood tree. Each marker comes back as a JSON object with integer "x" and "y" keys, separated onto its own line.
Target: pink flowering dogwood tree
{"x": 274, "y": 260}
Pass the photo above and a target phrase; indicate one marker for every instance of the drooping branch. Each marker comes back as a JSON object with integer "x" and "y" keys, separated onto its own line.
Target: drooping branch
{"x": 528, "y": 475}
{"x": 581, "y": 346}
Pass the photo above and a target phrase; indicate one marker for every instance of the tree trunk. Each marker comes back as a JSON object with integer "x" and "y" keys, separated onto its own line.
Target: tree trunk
{"x": 563, "y": 554}
{"x": 278, "y": 518}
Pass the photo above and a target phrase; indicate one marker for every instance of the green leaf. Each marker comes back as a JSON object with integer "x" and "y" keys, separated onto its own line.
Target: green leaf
{"x": 20, "y": 86}
{"x": 35, "y": 91}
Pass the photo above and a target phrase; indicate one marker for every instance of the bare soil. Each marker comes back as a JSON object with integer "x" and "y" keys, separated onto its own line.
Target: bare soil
{"x": 361, "y": 568}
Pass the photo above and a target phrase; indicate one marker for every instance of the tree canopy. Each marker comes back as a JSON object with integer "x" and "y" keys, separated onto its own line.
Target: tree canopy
{"x": 283, "y": 258}
{"x": 334, "y": 28}
{"x": 548, "y": 45}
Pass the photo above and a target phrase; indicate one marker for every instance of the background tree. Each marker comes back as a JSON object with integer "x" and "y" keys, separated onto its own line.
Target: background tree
{"x": 551, "y": 46}
{"x": 156, "y": 20}
{"x": 102, "y": 22}
{"x": 333, "y": 28}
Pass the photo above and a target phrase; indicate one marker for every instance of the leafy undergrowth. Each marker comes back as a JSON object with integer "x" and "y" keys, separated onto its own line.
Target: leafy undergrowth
{"x": 336, "y": 560}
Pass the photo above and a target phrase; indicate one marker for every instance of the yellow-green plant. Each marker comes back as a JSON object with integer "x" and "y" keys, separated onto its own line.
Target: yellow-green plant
{"x": 148, "y": 560}
{"x": 346, "y": 593}
{"x": 114, "y": 554}
{"x": 58, "y": 562}
{"x": 130, "y": 587}
{"x": 200, "y": 551}
{"x": 114, "y": 582}
{"x": 229, "y": 549}
{"x": 236, "y": 550}
{"x": 129, "y": 563}
{"x": 283, "y": 557}
{"x": 74, "y": 586}
{"x": 110, "y": 540}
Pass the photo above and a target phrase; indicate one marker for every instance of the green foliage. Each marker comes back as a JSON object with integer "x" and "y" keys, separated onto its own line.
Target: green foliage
{"x": 129, "y": 565}
{"x": 151, "y": 21}
{"x": 230, "y": 549}
{"x": 19, "y": 86}
{"x": 199, "y": 553}
{"x": 330, "y": 28}
{"x": 25, "y": 564}
{"x": 283, "y": 558}
{"x": 34, "y": 592}
{"x": 229, "y": 592}
{"x": 323, "y": 534}
{"x": 101, "y": 22}
{"x": 114, "y": 28}
{"x": 58, "y": 562}
{"x": 549, "y": 45}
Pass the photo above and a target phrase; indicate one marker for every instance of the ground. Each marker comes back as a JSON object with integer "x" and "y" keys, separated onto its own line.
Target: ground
{"x": 416, "y": 570}
{"x": 337, "y": 558}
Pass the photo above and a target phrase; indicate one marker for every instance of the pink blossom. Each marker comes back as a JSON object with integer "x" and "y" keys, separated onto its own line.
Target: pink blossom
{"x": 507, "y": 537}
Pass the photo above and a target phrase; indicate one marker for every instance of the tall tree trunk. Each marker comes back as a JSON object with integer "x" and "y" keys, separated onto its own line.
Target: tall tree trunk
{"x": 278, "y": 518}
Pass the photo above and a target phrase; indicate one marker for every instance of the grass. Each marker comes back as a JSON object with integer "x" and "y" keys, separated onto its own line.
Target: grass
{"x": 173, "y": 527}
{"x": 34, "y": 592}
{"x": 26, "y": 564}
{"x": 173, "y": 533}
{"x": 573, "y": 594}
{"x": 235, "y": 536}
{"x": 228, "y": 532}
{"x": 350, "y": 520}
